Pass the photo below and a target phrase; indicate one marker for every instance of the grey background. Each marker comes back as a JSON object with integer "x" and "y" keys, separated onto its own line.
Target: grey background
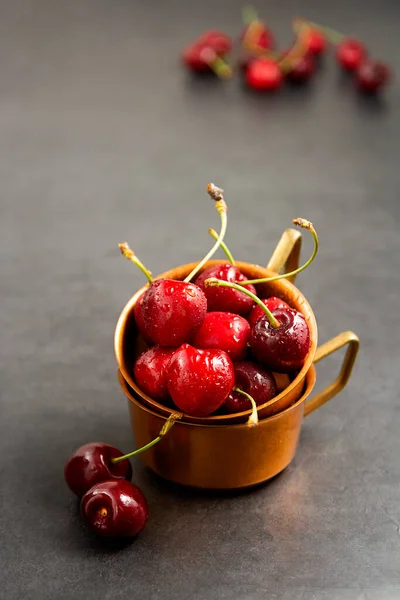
{"x": 103, "y": 137}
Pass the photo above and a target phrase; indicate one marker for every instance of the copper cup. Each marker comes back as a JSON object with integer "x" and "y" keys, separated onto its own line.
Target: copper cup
{"x": 232, "y": 456}
{"x": 128, "y": 344}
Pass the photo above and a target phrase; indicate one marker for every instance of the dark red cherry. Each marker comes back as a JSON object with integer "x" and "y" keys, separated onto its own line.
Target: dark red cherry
{"x": 91, "y": 464}
{"x": 303, "y": 69}
{"x": 283, "y": 348}
{"x": 316, "y": 42}
{"x": 150, "y": 372}
{"x": 223, "y": 331}
{"x": 171, "y": 310}
{"x": 350, "y": 54}
{"x": 226, "y": 299}
{"x": 115, "y": 509}
{"x": 372, "y": 75}
{"x": 271, "y": 303}
{"x": 254, "y": 380}
{"x": 200, "y": 380}
{"x": 219, "y": 41}
{"x": 264, "y": 74}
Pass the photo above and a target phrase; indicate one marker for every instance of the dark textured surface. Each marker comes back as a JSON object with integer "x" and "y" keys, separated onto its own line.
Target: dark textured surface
{"x": 103, "y": 138}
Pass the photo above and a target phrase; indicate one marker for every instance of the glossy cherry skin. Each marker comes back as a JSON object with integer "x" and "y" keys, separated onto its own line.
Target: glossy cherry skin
{"x": 150, "y": 372}
{"x": 303, "y": 69}
{"x": 226, "y": 299}
{"x": 263, "y": 74}
{"x": 223, "y": 331}
{"x": 198, "y": 57}
{"x": 350, "y": 54}
{"x": 115, "y": 509}
{"x": 200, "y": 380}
{"x": 219, "y": 41}
{"x": 316, "y": 42}
{"x": 91, "y": 464}
{"x": 171, "y": 310}
{"x": 254, "y": 380}
{"x": 372, "y": 75}
{"x": 284, "y": 348}
{"x": 271, "y": 303}
{"x": 137, "y": 313}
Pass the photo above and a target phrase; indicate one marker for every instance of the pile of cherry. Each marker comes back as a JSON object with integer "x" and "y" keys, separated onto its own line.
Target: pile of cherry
{"x": 212, "y": 344}
{"x": 265, "y": 69}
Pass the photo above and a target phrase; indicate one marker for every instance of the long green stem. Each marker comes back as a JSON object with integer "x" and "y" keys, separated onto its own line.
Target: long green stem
{"x": 130, "y": 255}
{"x": 335, "y": 37}
{"x": 253, "y": 418}
{"x": 249, "y": 14}
{"x": 214, "y": 282}
{"x": 166, "y": 427}
{"x": 223, "y": 246}
{"x": 216, "y": 194}
{"x": 306, "y": 225}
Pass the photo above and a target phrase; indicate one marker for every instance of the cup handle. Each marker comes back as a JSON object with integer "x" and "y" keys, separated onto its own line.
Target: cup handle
{"x": 346, "y": 338}
{"x": 287, "y": 253}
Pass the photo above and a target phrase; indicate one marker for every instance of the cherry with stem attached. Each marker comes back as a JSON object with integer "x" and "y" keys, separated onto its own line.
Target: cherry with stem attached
{"x": 97, "y": 462}
{"x": 137, "y": 311}
{"x": 172, "y": 309}
{"x": 281, "y": 338}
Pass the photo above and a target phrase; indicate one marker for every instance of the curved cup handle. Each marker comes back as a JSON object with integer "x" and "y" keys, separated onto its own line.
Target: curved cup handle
{"x": 287, "y": 253}
{"x": 346, "y": 338}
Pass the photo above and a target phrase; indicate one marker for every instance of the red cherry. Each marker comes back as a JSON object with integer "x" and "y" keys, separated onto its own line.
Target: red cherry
{"x": 198, "y": 57}
{"x": 115, "y": 509}
{"x": 223, "y": 331}
{"x": 254, "y": 380}
{"x": 316, "y": 42}
{"x": 303, "y": 69}
{"x": 150, "y": 372}
{"x": 265, "y": 40}
{"x": 171, "y": 310}
{"x": 91, "y": 464}
{"x": 137, "y": 313}
{"x": 271, "y": 303}
{"x": 219, "y": 41}
{"x": 372, "y": 75}
{"x": 350, "y": 54}
{"x": 226, "y": 299}
{"x": 263, "y": 74}
{"x": 200, "y": 380}
{"x": 282, "y": 348}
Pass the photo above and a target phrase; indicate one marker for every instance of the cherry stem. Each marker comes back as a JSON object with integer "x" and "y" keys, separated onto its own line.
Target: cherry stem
{"x": 170, "y": 422}
{"x": 249, "y": 14}
{"x": 253, "y": 418}
{"x": 219, "y": 66}
{"x": 306, "y": 225}
{"x": 223, "y": 246}
{"x": 216, "y": 194}
{"x": 214, "y": 282}
{"x": 299, "y": 48}
{"x": 332, "y": 35}
{"x": 130, "y": 255}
